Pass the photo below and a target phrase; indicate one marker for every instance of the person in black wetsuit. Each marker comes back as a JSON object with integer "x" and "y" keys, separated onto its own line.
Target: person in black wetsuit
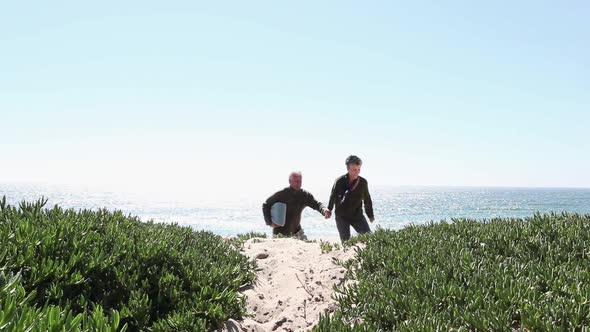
{"x": 296, "y": 199}
{"x": 349, "y": 193}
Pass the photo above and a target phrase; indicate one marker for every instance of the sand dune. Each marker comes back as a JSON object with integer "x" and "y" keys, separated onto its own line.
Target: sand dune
{"x": 294, "y": 286}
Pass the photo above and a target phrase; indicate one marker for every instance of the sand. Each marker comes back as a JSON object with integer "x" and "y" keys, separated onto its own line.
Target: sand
{"x": 294, "y": 286}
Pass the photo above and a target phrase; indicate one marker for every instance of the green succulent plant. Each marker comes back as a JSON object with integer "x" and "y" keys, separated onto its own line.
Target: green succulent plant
{"x": 528, "y": 274}
{"x": 106, "y": 271}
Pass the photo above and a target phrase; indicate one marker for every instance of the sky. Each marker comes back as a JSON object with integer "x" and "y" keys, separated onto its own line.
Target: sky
{"x": 228, "y": 97}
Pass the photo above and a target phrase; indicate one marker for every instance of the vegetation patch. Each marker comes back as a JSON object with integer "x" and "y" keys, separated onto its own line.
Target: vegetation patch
{"x": 239, "y": 240}
{"x": 328, "y": 246}
{"x": 500, "y": 274}
{"x": 100, "y": 270}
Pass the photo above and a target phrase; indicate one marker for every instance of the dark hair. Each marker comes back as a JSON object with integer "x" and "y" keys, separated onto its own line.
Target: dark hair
{"x": 352, "y": 159}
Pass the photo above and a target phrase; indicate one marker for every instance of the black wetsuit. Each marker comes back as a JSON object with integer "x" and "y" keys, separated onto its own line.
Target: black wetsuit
{"x": 348, "y": 199}
{"x": 296, "y": 201}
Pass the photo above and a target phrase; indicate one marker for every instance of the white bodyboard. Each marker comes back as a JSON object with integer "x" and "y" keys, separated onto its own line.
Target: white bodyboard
{"x": 278, "y": 213}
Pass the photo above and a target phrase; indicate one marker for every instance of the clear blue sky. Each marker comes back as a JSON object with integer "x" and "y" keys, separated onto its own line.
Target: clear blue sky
{"x": 188, "y": 95}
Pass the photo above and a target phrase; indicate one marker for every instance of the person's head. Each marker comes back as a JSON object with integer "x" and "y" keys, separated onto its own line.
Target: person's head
{"x": 295, "y": 180}
{"x": 353, "y": 165}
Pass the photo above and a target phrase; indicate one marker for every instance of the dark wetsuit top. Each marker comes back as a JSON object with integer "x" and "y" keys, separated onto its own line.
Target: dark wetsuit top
{"x": 349, "y": 199}
{"x": 296, "y": 201}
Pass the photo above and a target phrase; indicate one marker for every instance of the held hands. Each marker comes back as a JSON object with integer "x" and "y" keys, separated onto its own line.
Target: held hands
{"x": 327, "y": 214}
{"x": 273, "y": 225}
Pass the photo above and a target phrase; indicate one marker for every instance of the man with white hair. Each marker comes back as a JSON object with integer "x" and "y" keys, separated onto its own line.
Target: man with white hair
{"x": 296, "y": 200}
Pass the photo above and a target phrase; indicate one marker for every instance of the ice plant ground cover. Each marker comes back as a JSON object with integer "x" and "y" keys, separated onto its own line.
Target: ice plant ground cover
{"x": 500, "y": 274}
{"x": 105, "y": 271}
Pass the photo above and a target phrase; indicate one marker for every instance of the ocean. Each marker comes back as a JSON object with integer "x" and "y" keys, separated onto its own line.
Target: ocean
{"x": 395, "y": 207}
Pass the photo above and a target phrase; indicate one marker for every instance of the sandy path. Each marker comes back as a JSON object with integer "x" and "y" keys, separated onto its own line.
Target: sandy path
{"x": 294, "y": 286}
